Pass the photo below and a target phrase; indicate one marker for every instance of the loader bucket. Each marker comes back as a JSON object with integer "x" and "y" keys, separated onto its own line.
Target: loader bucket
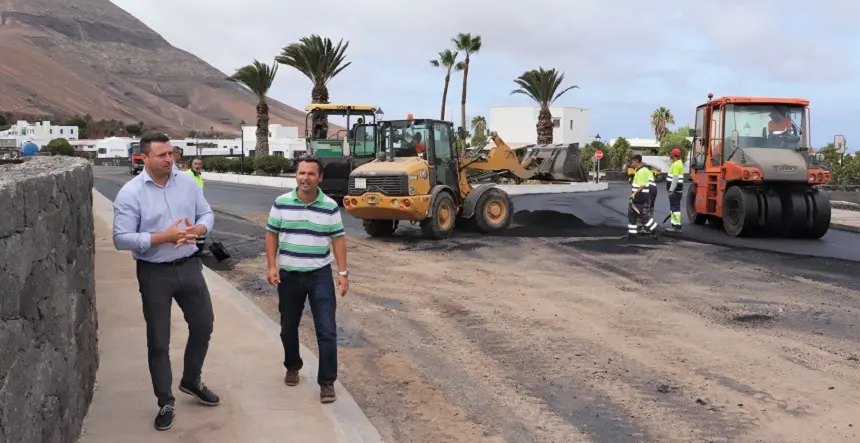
{"x": 557, "y": 162}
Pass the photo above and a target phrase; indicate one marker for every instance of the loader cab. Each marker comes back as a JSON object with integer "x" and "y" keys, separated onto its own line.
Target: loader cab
{"x": 430, "y": 140}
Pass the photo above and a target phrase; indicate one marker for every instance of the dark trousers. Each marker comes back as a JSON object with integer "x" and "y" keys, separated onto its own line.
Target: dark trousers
{"x": 159, "y": 285}
{"x": 637, "y": 213}
{"x": 318, "y": 288}
{"x": 652, "y": 199}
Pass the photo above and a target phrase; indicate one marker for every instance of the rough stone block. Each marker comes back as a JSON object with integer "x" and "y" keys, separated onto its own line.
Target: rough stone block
{"x": 48, "y": 321}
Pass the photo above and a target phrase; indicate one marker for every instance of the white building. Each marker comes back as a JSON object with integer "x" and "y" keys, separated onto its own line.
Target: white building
{"x": 40, "y": 132}
{"x": 517, "y": 124}
{"x": 283, "y": 140}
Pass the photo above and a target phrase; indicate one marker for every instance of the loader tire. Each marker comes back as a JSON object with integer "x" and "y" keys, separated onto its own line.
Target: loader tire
{"x": 494, "y": 211}
{"x": 443, "y": 214}
{"x": 740, "y": 212}
{"x": 380, "y": 228}
{"x": 694, "y": 217}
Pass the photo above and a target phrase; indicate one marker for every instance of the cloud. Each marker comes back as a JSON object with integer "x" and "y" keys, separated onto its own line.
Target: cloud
{"x": 649, "y": 54}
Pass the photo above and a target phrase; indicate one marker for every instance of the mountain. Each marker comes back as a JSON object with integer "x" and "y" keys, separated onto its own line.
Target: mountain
{"x": 78, "y": 57}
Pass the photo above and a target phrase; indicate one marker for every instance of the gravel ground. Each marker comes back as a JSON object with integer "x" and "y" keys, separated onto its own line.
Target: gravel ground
{"x": 587, "y": 338}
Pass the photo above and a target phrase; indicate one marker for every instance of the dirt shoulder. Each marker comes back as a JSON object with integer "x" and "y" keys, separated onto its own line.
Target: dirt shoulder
{"x": 566, "y": 340}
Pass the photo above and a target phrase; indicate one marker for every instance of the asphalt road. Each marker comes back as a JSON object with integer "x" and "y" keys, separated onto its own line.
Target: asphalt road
{"x": 610, "y": 208}
{"x": 605, "y": 212}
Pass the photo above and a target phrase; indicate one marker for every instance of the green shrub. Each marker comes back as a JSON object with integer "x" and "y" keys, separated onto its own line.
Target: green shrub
{"x": 271, "y": 164}
{"x": 241, "y": 165}
{"x": 216, "y": 164}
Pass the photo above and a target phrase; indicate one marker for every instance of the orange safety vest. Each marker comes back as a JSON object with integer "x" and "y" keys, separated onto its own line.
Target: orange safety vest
{"x": 782, "y": 125}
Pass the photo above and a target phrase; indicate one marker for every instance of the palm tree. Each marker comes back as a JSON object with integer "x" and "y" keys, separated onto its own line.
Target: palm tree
{"x": 542, "y": 86}
{"x": 469, "y": 45}
{"x": 258, "y": 78}
{"x": 479, "y": 128}
{"x": 448, "y": 60}
{"x": 320, "y": 61}
{"x": 661, "y": 118}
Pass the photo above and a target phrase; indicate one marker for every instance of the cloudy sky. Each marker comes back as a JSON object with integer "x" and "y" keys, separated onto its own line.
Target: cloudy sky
{"x": 628, "y": 57}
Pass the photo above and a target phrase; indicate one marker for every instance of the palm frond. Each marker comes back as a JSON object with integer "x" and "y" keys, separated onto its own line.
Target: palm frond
{"x": 257, "y": 77}
{"x": 319, "y": 59}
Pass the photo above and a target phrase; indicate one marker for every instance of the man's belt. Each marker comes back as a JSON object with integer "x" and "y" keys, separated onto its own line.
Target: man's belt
{"x": 176, "y": 262}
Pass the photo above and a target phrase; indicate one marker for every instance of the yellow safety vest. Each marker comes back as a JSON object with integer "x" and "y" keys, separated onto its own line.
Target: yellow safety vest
{"x": 676, "y": 171}
{"x": 644, "y": 177}
{"x": 197, "y": 178}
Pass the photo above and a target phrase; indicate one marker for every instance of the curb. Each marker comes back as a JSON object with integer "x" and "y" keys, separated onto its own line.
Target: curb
{"x": 352, "y": 423}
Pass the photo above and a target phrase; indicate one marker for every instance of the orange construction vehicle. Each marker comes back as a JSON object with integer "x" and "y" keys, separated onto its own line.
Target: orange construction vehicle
{"x": 752, "y": 171}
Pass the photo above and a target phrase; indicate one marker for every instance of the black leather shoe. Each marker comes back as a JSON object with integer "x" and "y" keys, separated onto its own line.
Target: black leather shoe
{"x": 201, "y": 393}
{"x": 164, "y": 419}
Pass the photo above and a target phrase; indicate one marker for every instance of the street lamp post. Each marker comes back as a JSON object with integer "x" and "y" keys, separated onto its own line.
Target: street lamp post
{"x": 598, "y": 145}
{"x": 242, "y": 137}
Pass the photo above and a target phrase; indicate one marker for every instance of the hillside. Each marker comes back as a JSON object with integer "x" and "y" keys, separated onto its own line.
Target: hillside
{"x": 91, "y": 57}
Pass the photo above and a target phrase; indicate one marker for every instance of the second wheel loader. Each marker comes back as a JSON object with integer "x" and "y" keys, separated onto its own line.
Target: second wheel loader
{"x": 419, "y": 177}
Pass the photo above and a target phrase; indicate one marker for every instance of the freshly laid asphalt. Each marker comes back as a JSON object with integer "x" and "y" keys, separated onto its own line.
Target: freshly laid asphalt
{"x": 604, "y": 213}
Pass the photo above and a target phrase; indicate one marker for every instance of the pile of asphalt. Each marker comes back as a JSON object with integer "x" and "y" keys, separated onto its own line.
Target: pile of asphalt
{"x": 547, "y": 223}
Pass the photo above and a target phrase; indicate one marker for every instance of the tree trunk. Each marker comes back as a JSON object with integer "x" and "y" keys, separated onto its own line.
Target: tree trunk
{"x": 445, "y": 93}
{"x": 544, "y": 126}
{"x": 463, "y": 100}
{"x": 262, "y": 148}
{"x": 319, "y": 95}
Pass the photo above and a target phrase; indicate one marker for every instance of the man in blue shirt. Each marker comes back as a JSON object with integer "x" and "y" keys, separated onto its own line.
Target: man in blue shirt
{"x": 157, "y": 216}
{"x": 177, "y": 158}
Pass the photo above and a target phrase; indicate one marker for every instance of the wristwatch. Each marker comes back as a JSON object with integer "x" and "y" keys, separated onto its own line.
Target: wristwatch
{"x": 343, "y": 273}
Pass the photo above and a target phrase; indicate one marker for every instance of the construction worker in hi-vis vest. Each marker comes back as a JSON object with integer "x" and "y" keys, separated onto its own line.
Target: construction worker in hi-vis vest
{"x": 640, "y": 199}
{"x": 675, "y": 187}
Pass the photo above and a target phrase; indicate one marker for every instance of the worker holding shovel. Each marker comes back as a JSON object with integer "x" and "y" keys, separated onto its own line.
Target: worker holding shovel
{"x": 640, "y": 199}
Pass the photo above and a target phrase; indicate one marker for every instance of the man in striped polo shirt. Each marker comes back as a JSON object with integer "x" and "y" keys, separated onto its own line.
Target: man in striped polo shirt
{"x": 304, "y": 228}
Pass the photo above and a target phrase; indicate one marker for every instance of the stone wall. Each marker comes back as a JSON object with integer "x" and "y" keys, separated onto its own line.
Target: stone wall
{"x": 48, "y": 322}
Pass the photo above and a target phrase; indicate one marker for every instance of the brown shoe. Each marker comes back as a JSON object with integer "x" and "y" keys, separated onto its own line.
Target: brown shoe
{"x": 292, "y": 377}
{"x": 327, "y": 393}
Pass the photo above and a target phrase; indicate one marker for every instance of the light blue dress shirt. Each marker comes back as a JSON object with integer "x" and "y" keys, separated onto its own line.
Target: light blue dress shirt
{"x": 143, "y": 207}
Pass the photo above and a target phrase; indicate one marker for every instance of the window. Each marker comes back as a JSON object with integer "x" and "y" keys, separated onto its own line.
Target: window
{"x": 442, "y": 140}
{"x": 698, "y": 147}
{"x": 365, "y": 140}
{"x": 404, "y": 139}
{"x": 61, "y": 131}
{"x": 571, "y": 124}
{"x": 765, "y": 126}
{"x": 556, "y": 122}
{"x": 715, "y": 139}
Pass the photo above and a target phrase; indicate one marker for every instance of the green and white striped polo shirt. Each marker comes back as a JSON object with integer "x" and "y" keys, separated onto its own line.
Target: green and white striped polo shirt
{"x": 304, "y": 231}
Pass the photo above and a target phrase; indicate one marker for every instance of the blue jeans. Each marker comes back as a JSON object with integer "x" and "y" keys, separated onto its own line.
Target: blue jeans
{"x": 318, "y": 288}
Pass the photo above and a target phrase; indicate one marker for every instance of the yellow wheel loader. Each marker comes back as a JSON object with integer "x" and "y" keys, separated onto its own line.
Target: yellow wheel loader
{"x": 418, "y": 177}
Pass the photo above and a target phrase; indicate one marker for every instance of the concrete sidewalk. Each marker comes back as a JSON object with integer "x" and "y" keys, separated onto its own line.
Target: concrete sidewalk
{"x": 845, "y": 220}
{"x": 243, "y": 366}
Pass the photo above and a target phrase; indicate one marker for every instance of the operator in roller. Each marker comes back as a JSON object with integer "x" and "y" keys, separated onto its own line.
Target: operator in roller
{"x": 675, "y": 188}
{"x": 778, "y": 123}
{"x": 638, "y": 210}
